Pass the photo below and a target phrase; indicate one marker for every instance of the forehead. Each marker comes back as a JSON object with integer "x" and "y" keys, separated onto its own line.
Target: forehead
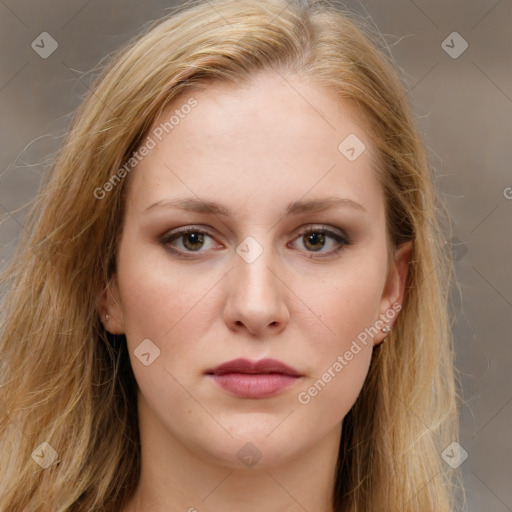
{"x": 272, "y": 141}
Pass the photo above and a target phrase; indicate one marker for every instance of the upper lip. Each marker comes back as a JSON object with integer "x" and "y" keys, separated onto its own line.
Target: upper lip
{"x": 254, "y": 367}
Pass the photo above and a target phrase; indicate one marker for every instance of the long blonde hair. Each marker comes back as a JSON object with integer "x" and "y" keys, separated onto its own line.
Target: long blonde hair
{"x": 67, "y": 382}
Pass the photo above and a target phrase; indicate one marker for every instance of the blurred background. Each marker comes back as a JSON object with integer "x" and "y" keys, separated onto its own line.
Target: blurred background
{"x": 456, "y": 59}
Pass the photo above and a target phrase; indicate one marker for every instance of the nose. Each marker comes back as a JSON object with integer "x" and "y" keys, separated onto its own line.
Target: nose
{"x": 256, "y": 297}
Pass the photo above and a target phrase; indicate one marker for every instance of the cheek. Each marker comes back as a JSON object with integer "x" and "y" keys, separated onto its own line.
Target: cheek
{"x": 332, "y": 393}
{"x": 345, "y": 302}
{"x": 161, "y": 303}
{"x": 168, "y": 308}
{"x": 340, "y": 336}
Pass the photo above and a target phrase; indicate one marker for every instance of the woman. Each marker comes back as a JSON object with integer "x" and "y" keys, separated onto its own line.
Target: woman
{"x": 171, "y": 338}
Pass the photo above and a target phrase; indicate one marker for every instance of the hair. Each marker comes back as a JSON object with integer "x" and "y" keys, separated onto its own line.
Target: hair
{"x": 66, "y": 381}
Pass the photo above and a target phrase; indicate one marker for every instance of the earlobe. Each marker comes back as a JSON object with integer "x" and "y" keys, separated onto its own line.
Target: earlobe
{"x": 109, "y": 308}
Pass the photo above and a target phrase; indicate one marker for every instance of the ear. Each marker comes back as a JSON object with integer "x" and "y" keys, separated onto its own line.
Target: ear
{"x": 110, "y": 304}
{"x": 394, "y": 289}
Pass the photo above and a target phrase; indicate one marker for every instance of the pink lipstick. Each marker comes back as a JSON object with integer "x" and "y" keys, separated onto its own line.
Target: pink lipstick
{"x": 259, "y": 379}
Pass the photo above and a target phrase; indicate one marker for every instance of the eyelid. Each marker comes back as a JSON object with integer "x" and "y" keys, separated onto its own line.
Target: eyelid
{"x": 172, "y": 235}
{"x": 325, "y": 229}
{"x": 337, "y": 234}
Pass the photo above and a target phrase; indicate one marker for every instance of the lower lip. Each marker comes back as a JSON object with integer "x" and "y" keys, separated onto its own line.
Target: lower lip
{"x": 254, "y": 385}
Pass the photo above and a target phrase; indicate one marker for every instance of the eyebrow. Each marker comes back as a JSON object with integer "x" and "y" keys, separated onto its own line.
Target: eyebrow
{"x": 192, "y": 204}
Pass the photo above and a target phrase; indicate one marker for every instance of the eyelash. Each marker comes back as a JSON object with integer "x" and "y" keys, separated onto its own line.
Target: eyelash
{"x": 341, "y": 240}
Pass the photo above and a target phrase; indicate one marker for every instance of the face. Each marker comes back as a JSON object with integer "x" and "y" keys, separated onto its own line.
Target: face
{"x": 260, "y": 274}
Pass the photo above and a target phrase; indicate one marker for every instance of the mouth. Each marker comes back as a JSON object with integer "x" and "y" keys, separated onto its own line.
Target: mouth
{"x": 259, "y": 379}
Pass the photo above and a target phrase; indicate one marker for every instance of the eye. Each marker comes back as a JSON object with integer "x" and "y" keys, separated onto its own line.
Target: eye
{"x": 315, "y": 239}
{"x": 192, "y": 240}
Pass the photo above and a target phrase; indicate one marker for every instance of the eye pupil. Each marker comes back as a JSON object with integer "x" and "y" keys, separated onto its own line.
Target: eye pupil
{"x": 315, "y": 238}
{"x": 195, "y": 238}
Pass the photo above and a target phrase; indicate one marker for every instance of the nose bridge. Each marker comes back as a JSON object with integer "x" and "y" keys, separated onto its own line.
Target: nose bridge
{"x": 256, "y": 294}
{"x": 253, "y": 273}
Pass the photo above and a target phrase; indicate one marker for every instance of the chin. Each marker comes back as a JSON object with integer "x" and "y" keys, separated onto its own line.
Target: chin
{"x": 250, "y": 449}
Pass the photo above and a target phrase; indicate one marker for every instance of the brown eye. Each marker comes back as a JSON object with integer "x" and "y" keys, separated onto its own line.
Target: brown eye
{"x": 192, "y": 240}
{"x": 315, "y": 239}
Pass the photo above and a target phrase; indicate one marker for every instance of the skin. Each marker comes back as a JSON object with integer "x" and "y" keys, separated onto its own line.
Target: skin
{"x": 254, "y": 150}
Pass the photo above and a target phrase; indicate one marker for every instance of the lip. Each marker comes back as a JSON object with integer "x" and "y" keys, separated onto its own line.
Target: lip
{"x": 254, "y": 379}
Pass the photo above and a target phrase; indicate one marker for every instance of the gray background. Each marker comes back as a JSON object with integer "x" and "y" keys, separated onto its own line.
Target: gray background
{"x": 464, "y": 107}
